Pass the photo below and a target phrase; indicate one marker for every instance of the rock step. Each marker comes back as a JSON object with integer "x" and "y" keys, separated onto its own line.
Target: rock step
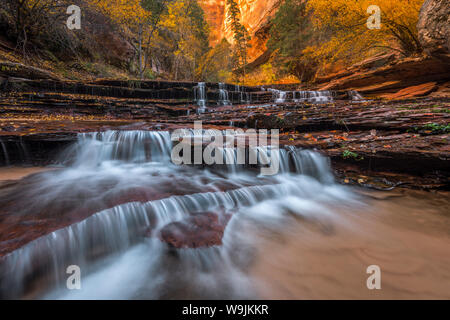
{"x": 171, "y": 93}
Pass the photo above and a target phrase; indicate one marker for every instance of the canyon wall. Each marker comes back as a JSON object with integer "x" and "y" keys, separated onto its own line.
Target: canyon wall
{"x": 256, "y": 15}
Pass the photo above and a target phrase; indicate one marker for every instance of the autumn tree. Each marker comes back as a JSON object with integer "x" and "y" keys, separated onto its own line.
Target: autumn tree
{"x": 139, "y": 19}
{"x": 346, "y": 22}
{"x": 216, "y": 64}
{"x": 241, "y": 37}
{"x": 291, "y": 32}
{"x": 28, "y": 22}
{"x": 182, "y": 40}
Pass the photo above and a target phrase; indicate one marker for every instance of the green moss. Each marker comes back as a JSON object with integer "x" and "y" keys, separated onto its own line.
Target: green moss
{"x": 437, "y": 128}
{"x": 347, "y": 154}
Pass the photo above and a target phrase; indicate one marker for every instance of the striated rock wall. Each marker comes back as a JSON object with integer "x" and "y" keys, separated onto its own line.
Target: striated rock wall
{"x": 215, "y": 15}
{"x": 256, "y": 15}
{"x": 434, "y": 28}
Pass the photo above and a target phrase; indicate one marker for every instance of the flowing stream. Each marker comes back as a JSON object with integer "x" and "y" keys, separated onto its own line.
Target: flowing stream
{"x": 294, "y": 235}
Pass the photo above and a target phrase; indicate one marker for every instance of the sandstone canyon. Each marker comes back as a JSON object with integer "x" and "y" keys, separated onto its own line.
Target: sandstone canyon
{"x": 256, "y": 15}
{"x": 89, "y": 174}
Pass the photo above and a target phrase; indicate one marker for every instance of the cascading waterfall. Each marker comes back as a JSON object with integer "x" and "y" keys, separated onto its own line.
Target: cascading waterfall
{"x": 291, "y": 159}
{"x": 114, "y": 232}
{"x": 278, "y": 95}
{"x": 302, "y": 96}
{"x": 312, "y": 96}
{"x": 281, "y": 97}
{"x": 223, "y": 95}
{"x": 109, "y": 231}
{"x": 14, "y": 152}
{"x": 200, "y": 96}
{"x": 322, "y": 96}
{"x": 244, "y": 96}
{"x": 131, "y": 146}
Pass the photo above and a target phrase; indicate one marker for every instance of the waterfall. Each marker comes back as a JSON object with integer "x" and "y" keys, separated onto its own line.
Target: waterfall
{"x": 313, "y": 96}
{"x": 282, "y": 97}
{"x": 321, "y": 96}
{"x": 223, "y": 98}
{"x": 200, "y": 96}
{"x": 117, "y": 229}
{"x": 5, "y": 152}
{"x": 130, "y": 146}
{"x": 136, "y": 159}
{"x": 18, "y": 152}
{"x": 302, "y": 96}
{"x": 306, "y": 162}
{"x": 223, "y": 95}
{"x": 278, "y": 95}
{"x": 106, "y": 232}
{"x": 244, "y": 96}
{"x": 138, "y": 147}
{"x": 292, "y": 160}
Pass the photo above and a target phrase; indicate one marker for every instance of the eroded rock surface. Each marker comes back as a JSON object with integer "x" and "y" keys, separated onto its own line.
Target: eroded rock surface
{"x": 434, "y": 28}
{"x": 387, "y": 75}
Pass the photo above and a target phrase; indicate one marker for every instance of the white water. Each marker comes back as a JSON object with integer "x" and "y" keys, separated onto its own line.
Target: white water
{"x": 312, "y": 96}
{"x": 117, "y": 256}
{"x": 302, "y": 96}
{"x": 200, "y": 97}
{"x": 224, "y": 99}
{"x": 21, "y": 152}
{"x": 279, "y": 96}
{"x": 245, "y": 97}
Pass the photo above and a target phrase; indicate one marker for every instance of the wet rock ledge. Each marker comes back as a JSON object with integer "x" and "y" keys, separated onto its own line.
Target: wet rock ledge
{"x": 380, "y": 143}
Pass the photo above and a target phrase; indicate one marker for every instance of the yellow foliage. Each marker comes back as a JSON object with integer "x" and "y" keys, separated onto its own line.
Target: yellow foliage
{"x": 129, "y": 12}
{"x": 346, "y": 23}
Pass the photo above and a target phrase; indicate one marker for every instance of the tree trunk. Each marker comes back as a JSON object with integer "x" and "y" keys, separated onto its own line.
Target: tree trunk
{"x": 141, "y": 69}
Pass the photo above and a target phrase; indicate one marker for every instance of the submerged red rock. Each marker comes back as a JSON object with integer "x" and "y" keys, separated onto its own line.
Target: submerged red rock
{"x": 204, "y": 229}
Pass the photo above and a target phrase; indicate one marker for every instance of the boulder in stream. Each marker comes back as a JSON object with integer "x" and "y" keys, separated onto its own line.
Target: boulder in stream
{"x": 205, "y": 229}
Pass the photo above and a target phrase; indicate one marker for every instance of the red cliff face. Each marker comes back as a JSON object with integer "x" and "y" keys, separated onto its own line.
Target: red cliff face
{"x": 215, "y": 15}
{"x": 255, "y": 14}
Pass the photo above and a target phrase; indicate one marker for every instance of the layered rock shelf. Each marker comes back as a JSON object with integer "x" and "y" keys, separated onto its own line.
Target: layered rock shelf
{"x": 390, "y": 77}
{"x": 39, "y": 118}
